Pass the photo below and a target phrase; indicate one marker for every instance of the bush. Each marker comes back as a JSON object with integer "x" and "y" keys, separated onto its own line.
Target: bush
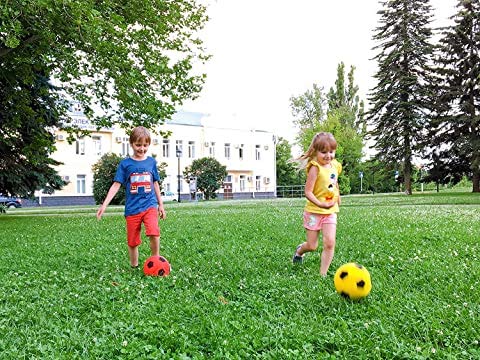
{"x": 209, "y": 174}
{"x": 344, "y": 184}
{"x": 103, "y": 173}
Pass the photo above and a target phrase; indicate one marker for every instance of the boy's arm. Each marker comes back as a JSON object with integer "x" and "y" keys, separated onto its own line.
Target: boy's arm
{"x": 161, "y": 210}
{"x": 110, "y": 195}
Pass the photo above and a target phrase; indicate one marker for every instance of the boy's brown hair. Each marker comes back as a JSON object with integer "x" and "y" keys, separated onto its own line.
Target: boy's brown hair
{"x": 140, "y": 133}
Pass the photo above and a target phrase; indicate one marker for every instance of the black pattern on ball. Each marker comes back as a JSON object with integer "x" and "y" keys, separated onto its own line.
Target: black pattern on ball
{"x": 150, "y": 264}
{"x": 352, "y": 281}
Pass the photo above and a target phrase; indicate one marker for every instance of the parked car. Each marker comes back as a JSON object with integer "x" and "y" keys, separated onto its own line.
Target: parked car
{"x": 169, "y": 196}
{"x": 10, "y": 202}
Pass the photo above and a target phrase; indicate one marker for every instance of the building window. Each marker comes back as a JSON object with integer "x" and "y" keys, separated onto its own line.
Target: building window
{"x": 257, "y": 182}
{"x": 257, "y": 152}
{"x": 212, "y": 149}
{"x": 125, "y": 146}
{"x": 166, "y": 148}
{"x": 179, "y": 146}
{"x": 227, "y": 151}
{"x": 240, "y": 152}
{"x": 191, "y": 149}
{"x": 97, "y": 145}
{"x": 242, "y": 183}
{"x": 81, "y": 184}
{"x": 228, "y": 179}
{"x": 80, "y": 146}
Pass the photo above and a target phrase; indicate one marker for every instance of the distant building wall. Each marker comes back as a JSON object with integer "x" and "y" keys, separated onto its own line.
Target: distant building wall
{"x": 248, "y": 154}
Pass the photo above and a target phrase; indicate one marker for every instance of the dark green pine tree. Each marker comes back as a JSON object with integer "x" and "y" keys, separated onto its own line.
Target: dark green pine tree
{"x": 456, "y": 130}
{"x": 28, "y": 113}
{"x": 399, "y": 101}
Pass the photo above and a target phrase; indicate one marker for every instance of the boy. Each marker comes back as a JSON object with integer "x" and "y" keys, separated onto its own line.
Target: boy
{"x": 143, "y": 203}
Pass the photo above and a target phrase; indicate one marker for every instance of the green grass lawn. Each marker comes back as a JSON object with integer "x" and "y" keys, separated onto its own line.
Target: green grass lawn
{"x": 68, "y": 291}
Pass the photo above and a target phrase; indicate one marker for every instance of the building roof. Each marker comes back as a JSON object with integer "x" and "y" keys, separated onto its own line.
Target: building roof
{"x": 186, "y": 118}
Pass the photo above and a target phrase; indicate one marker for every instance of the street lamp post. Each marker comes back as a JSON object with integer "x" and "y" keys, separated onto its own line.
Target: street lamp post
{"x": 179, "y": 154}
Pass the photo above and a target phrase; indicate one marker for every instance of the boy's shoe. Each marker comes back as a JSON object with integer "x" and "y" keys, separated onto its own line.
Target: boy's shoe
{"x": 297, "y": 259}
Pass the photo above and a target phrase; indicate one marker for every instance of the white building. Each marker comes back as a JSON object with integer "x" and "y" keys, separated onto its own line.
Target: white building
{"x": 249, "y": 156}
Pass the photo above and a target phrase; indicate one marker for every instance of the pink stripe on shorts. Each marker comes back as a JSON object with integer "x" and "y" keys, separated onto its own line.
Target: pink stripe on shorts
{"x": 313, "y": 221}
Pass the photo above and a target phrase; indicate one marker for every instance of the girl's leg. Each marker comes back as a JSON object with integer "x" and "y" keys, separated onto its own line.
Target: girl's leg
{"x": 311, "y": 244}
{"x": 155, "y": 244}
{"x": 329, "y": 233}
{"x": 133, "y": 255}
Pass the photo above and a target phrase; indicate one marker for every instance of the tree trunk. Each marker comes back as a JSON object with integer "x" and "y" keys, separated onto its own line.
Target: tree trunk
{"x": 407, "y": 166}
{"x": 476, "y": 182}
{"x": 476, "y": 171}
{"x": 408, "y": 178}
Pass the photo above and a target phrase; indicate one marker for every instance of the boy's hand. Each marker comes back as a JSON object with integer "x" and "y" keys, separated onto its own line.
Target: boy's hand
{"x": 100, "y": 212}
{"x": 161, "y": 212}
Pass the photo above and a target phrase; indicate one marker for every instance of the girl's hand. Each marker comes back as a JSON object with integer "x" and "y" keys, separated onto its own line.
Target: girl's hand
{"x": 326, "y": 204}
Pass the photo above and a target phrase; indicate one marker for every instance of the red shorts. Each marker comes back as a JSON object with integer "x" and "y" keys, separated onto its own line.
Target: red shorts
{"x": 313, "y": 221}
{"x": 149, "y": 218}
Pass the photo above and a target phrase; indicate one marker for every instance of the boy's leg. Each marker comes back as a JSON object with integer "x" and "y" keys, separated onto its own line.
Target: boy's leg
{"x": 155, "y": 245}
{"x": 329, "y": 234}
{"x": 152, "y": 230}
{"x": 133, "y": 255}
{"x": 134, "y": 223}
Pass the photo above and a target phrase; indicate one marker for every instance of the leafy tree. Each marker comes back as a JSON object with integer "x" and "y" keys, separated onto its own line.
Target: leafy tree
{"x": 343, "y": 118}
{"x": 287, "y": 173}
{"x": 438, "y": 171}
{"x": 379, "y": 177}
{"x": 457, "y": 128}
{"x": 209, "y": 174}
{"x": 308, "y": 110}
{"x": 346, "y": 118}
{"x": 104, "y": 172}
{"x": 400, "y": 98}
{"x": 127, "y": 63}
{"x": 347, "y": 98}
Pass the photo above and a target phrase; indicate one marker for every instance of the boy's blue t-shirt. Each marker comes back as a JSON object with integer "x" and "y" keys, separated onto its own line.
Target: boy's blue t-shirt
{"x": 138, "y": 178}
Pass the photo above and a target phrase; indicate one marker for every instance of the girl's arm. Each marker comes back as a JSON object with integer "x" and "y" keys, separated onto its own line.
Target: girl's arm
{"x": 309, "y": 185}
{"x": 338, "y": 200}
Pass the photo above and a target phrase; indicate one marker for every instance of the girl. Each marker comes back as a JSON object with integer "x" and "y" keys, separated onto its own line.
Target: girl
{"x": 323, "y": 198}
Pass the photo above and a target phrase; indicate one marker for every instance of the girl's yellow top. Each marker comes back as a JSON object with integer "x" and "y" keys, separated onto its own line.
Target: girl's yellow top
{"x": 325, "y": 188}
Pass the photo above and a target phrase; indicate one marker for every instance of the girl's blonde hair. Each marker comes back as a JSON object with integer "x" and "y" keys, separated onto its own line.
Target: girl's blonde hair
{"x": 140, "y": 133}
{"x": 322, "y": 141}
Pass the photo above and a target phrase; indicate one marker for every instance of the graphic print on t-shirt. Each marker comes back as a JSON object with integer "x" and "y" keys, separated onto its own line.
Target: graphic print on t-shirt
{"x": 140, "y": 180}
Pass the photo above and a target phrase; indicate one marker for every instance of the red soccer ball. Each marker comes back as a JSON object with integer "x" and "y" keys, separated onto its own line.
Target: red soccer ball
{"x": 156, "y": 266}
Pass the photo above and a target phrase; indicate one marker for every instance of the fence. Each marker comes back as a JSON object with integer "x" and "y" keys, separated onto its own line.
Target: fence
{"x": 291, "y": 191}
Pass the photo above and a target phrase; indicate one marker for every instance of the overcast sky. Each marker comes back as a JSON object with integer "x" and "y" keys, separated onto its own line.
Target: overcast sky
{"x": 266, "y": 51}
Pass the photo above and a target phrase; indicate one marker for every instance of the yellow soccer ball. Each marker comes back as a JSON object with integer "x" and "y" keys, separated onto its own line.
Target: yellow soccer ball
{"x": 352, "y": 281}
